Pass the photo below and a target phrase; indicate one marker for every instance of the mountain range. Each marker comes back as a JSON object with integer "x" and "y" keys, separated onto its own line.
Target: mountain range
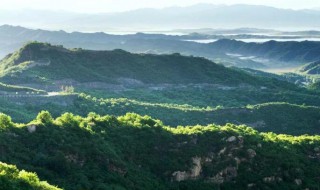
{"x": 270, "y": 54}
{"x": 197, "y": 16}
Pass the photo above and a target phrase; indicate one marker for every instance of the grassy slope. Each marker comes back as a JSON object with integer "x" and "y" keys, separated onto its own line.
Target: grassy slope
{"x": 134, "y": 152}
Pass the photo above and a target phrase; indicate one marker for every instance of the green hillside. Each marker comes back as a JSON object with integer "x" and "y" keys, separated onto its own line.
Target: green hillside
{"x": 311, "y": 68}
{"x": 138, "y": 152}
{"x": 39, "y": 62}
{"x": 276, "y": 117}
{"x": 13, "y": 179}
{"x": 282, "y": 54}
{"x": 315, "y": 86}
{"x": 177, "y": 89}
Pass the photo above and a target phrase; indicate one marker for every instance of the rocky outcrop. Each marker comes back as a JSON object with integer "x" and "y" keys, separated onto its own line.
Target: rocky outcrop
{"x": 251, "y": 185}
{"x": 231, "y": 139}
{"x": 270, "y": 179}
{"x": 251, "y": 153}
{"x": 227, "y": 174}
{"x": 194, "y": 172}
{"x": 298, "y": 182}
{"x": 32, "y": 128}
{"x": 180, "y": 176}
{"x": 222, "y": 151}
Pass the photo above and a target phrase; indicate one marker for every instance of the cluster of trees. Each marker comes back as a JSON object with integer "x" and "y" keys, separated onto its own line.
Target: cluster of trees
{"x": 139, "y": 152}
{"x": 13, "y": 179}
{"x": 67, "y": 89}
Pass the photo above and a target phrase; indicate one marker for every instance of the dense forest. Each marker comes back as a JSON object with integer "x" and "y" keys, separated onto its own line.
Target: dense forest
{"x": 138, "y": 152}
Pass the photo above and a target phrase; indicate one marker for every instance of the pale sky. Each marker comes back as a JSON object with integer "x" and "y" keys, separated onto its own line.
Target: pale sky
{"x": 98, "y": 6}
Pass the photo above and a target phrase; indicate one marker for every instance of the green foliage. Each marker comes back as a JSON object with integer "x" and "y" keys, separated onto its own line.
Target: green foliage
{"x": 5, "y": 121}
{"x": 45, "y": 118}
{"x": 138, "y": 152}
{"x": 315, "y": 86}
{"x": 114, "y": 67}
{"x": 13, "y": 179}
{"x": 277, "y": 117}
{"x": 178, "y": 90}
{"x": 67, "y": 89}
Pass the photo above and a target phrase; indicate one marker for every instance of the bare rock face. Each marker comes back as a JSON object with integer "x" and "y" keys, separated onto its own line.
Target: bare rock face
{"x": 298, "y": 182}
{"x": 194, "y": 172}
{"x": 238, "y": 161}
{"x": 208, "y": 159}
{"x": 231, "y": 139}
{"x": 32, "y": 128}
{"x": 251, "y": 185}
{"x": 227, "y": 174}
{"x": 241, "y": 139}
{"x": 180, "y": 176}
{"x": 279, "y": 179}
{"x": 222, "y": 151}
{"x": 217, "y": 179}
{"x": 270, "y": 179}
{"x": 251, "y": 153}
{"x": 230, "y": 173}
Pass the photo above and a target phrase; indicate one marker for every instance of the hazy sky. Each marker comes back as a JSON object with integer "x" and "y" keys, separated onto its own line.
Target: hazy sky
{"x": 92, "y": 6}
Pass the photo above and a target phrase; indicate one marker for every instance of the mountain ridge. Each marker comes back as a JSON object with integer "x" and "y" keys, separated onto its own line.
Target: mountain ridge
{"x": 252, "y": 55}
{"x": 106, "y": 66}
{"x": 311, "y": 68}
{"x": 210, "y": 16}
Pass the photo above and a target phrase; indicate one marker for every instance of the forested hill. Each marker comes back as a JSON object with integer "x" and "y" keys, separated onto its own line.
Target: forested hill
{"x": 37, "y": 61}
{"x": 311, "y": 68}
{"x": 303, "y": 52}
{"x": 138, "y": 152}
